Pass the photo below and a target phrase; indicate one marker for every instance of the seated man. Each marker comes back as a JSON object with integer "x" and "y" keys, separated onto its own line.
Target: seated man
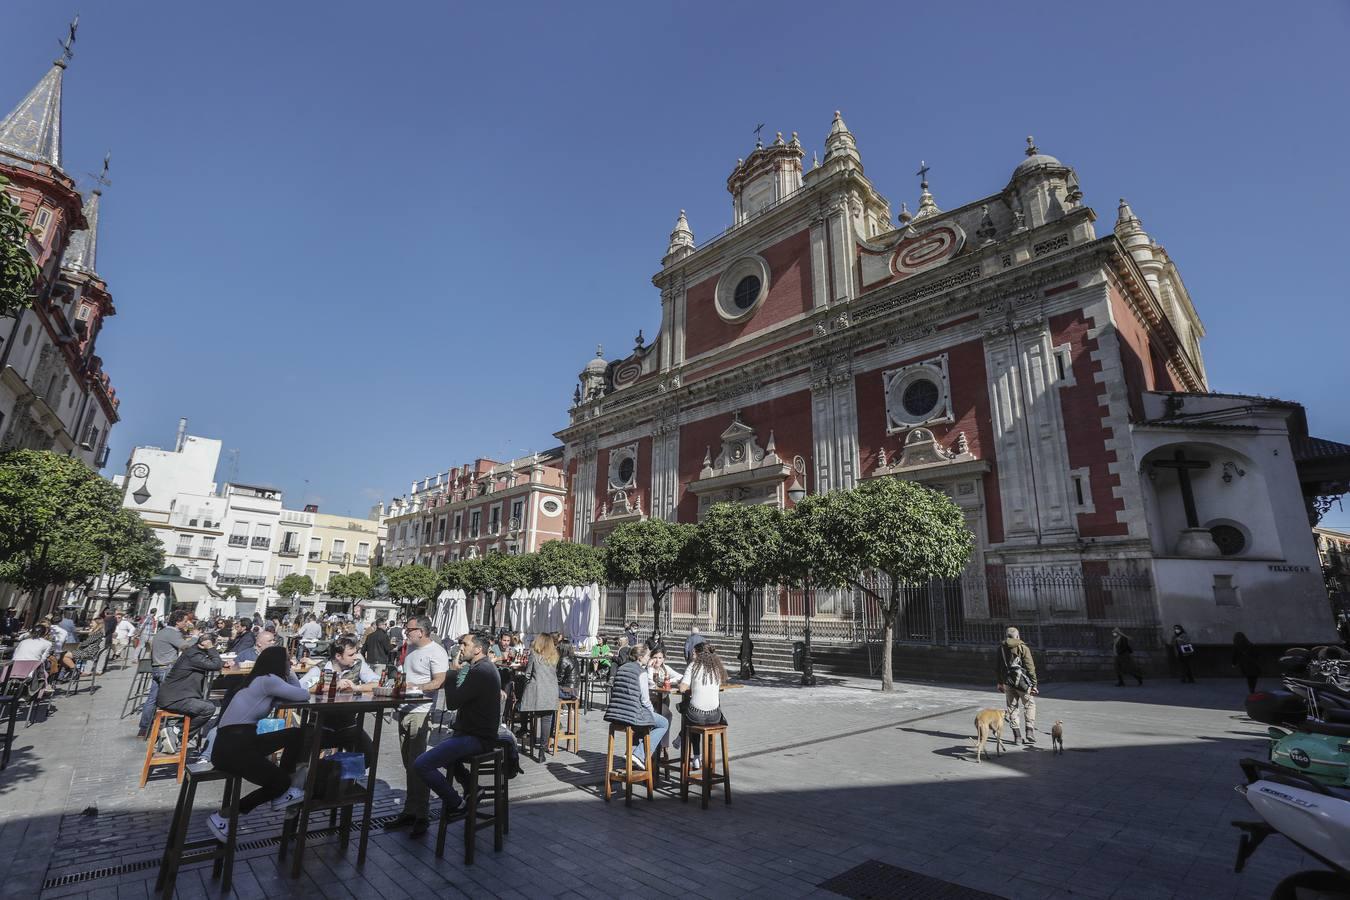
{"x": 345, "y": 732}
{"x": 472, "y": 691}
{"x": 261, "y": 641}
{"x": 243, "y": 637}
{"x": 184, "y": 687}
{"x": 630, "y": 701}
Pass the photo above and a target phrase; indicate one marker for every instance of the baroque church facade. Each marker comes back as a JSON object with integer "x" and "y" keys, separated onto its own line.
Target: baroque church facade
{"x": 54, "y": 392}
{"x": 1046, "y": 377}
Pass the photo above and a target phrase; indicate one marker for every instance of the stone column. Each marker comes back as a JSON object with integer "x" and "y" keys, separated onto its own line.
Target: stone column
{"x": 834, "y": 424}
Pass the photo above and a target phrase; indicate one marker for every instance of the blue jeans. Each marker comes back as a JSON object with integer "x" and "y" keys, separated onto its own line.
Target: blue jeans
{"x": 448, "y": 754}
{"x": 658, "y": 732}
{"x": 148, "y": 710}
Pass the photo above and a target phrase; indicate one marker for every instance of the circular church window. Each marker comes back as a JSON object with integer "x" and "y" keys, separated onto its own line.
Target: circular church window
{"x": 747, "y": 292}
{"x": 920, "y": 397}
{"x": 626, "y": 469}
{"x": 1231, "y": 540}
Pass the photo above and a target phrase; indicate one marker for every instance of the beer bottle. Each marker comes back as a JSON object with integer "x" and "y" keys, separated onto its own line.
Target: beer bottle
{"x": 332, "y": 686}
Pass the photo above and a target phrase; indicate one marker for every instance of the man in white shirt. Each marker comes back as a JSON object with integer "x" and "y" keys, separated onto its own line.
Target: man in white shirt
{"x": 35, "y": 647}
{"x": 311, "y": 631}
{"x": 122, "y": 634}
{"x": 424, "y": 669}
{"x": 58, "y": 635}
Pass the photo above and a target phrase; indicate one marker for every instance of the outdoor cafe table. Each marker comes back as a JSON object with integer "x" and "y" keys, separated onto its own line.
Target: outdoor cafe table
{"x": 313, "y": 712}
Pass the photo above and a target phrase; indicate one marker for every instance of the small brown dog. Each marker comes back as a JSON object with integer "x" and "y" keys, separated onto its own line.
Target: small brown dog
{"x": 1057, "y": 737}
{"x": 988, "y": 721}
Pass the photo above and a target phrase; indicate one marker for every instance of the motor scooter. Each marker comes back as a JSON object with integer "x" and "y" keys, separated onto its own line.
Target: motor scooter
{"x": 1314, "y": 816}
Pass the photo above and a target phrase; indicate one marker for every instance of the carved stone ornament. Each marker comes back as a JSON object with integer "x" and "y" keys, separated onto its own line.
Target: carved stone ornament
{"x": 924, "y": 458}
{"x": 917, "y": 394}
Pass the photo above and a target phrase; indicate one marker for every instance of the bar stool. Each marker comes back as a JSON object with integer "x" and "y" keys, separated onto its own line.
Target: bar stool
{"x": 140, "y": 687}
{"x": 567, "y": 725}
{"x": 152, "y": 758}
{"x": 530, "y": 719}
{"x": 179, "y": 851}
{"x": 626, "y": 775}
{"x": 487, "y": 776}
{"x": 708, "y": 776}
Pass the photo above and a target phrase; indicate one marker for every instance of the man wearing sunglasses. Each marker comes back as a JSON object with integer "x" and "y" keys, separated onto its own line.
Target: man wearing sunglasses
{"x": 424, "y": 669}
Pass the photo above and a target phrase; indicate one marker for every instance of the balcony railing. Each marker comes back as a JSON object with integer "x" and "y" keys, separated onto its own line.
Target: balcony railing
{"x": 337, "y": 557}
{"x": 362, "y": 560}
{"x": 314, "y": 555}
{"x": 185, "y": 550}
{"x": 246, "y": 580}
{"x": 238, "y": 540}
{"x": 261, "y": 543}
{"x": 289, "y": 551}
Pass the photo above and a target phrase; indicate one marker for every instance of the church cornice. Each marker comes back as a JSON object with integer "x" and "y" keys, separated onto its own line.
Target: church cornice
{"x": 1147, "y": 308}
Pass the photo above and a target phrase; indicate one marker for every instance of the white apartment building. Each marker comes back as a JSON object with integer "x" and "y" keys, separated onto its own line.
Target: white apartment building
{"x": 252, "y": 518}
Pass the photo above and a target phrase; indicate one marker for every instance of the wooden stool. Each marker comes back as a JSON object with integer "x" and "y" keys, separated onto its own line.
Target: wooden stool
{"x": 626, "y": 774}
{"x": 530, "y": 718}
{"x": 179, "y": 851}
{"x": 178, "y": 759}
{"x": 706, "y": 735}
{"x": 567, "y": 725}
{"x": 487, "y": 775}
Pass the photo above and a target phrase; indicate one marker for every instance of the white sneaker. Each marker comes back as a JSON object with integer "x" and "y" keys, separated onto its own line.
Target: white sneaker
{"x": 637, "y": 762}
{"x": 696, "y": 763}
{"x": 290, "y": 798}
{"x": 220, "y": 827}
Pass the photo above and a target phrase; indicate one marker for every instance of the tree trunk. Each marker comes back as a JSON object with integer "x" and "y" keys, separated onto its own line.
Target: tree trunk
{"x": 887, "y": 682}
{"x": 655, "y": 640}
{"x": 747, "y": 653}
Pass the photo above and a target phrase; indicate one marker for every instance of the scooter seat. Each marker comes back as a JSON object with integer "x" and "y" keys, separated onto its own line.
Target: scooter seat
{"x": 1334, "y": 729}
{"x": 1339, "y": 716}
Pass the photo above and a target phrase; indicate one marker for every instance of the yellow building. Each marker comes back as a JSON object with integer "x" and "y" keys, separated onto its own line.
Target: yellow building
{"x": 340, "y": 545}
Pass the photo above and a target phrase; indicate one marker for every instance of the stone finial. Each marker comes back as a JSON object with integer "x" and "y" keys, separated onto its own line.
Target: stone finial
{"x": 962, "y": 445}
{"x": 987, "y": 230}
{"x": 638, "y": 340}
{"x": 576, "y": 396}
{"x": 881, "y": 458}
{"x": 905, "y": 215}
{"x": 778, "y": 141}
{"x": 839, "y": 144}
{"x": 795, "y": 142}
{"x": 1126, "y": 221}
{"x": 1032, "y": 149}
{"x": 815, "y": 161}
{"x": 681, "y": 239}
{"x": 1075, "y": 194}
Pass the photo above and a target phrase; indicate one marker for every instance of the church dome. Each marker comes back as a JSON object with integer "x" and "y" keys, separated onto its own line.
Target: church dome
{"x": 597, "y": 365}
{"x": 1035, "y": 158}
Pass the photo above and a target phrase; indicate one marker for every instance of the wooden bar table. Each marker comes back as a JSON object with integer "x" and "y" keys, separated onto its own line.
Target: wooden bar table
{"x": 312, "y": 715}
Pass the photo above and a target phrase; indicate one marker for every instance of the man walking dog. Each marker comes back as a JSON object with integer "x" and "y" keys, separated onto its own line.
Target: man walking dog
{"x": 1017, "y": 680}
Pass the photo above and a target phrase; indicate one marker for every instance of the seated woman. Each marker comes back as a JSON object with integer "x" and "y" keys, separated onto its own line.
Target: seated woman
{"x": 567, "y": 671}
{"x": 240, "y": 750}
{"x": 658, "y": 670}
{"x": 630, "y": 702}
{"x": 703, "y": 681}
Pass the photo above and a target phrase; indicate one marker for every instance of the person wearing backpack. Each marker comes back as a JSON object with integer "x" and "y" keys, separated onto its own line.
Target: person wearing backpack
{"x": 1016, "y": 671}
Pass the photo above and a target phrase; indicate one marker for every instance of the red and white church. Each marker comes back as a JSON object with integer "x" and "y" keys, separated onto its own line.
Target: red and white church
{"x": 1048, "y": 378}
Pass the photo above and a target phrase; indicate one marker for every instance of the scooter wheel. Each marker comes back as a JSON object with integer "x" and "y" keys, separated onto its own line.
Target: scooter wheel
{"x": 1315, "y": 885}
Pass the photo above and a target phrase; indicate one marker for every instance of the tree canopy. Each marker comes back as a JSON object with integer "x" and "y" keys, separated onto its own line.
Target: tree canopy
{"x": 134, "y": 552}
{"x": 355, "y": 586}
{"x": 57, "y": 520}
{"x": 408, "y": 584}
{"x": 654, "y": 552}
{"x": 903, "y": 533}
{"x": 18, "y": 269}
{"x": 736, "y": 548}
{"x": 563, "y": 563}
{"x": 295, "y": 583}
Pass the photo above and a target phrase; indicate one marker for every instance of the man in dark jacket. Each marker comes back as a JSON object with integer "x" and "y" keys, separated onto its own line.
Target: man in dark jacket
{"x": 244, "y": 637}
{"x": 473, "y": 689}
{"x": 184, "y": 688}
{"x": 377, "y": 650}
{"x": 1016, "y": 672}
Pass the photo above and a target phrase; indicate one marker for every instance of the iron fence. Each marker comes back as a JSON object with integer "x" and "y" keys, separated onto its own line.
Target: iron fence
{"x": 1054, "y": 610}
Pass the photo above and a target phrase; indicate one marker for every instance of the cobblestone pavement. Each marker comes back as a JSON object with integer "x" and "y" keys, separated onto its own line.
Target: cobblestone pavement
{"x": 823, "y": 778}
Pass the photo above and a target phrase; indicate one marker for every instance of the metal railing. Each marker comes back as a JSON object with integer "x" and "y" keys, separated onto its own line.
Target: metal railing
{"x": 248, "y": 580}
{"x": 238, "y": 540}
{"x": 1053, "y": 610}
{"x": 261, "y": 543}
{"x": 289, "y": 551}
{"x": 337, "y": 557}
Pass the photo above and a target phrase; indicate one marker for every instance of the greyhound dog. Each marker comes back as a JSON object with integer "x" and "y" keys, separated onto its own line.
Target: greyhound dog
{"x": 988, "y": 721}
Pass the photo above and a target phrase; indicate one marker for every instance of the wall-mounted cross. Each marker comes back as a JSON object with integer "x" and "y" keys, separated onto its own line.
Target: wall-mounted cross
{"x": 1184, "y": 467}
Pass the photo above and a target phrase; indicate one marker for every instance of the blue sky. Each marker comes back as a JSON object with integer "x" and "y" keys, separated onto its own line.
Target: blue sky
{"x": 361, "y": 248}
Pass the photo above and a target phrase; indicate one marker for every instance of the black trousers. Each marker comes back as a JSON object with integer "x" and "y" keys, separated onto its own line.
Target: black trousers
{"x": 201, "y": 712}
{"x": 240, "y": 750}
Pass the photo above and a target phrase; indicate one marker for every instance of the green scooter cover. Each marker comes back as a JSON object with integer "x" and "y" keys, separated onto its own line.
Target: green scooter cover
{"x": 1324, "y": 757}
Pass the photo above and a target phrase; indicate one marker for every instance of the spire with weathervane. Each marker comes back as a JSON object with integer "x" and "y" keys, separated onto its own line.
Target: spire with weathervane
{"x": 82, "y": 249}
{"x": 32, "y": 130}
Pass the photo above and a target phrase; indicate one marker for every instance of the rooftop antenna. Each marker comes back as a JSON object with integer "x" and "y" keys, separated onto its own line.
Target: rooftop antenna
{"x": 234, "y": 465}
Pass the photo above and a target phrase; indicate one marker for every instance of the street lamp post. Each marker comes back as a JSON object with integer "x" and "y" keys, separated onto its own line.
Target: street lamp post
{"x": 797, "y": 493}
